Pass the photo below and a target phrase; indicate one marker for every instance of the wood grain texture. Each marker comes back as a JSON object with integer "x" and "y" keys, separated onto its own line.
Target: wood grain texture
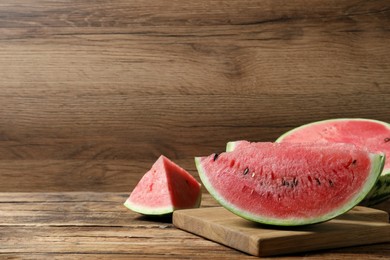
{"x": 122, "y": 82}
{"x": 95, "y": 225}
{"x": 220, "y": 225}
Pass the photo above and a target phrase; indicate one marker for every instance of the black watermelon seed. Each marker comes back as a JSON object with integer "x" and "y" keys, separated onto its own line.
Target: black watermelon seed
{"x": 330, "y": 183}
{"x": 318, "y": 181}
{"x": 387, "y": 139}
{"x": 246, "y": 171}
{"x": 295, "y": 182}
{"x": 354, "y": 162}
{"x": 215, "y": 157}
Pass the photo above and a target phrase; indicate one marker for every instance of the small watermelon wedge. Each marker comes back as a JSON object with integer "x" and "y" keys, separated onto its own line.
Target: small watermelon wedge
{"x": 164, "y": 188}
{"x": 373, "y": 134}
{"x": 290, "y": 184}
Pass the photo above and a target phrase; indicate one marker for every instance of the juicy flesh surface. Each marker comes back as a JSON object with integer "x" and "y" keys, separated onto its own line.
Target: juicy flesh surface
{"x": 184, "y": 189}
{"x": 362, "y": 133}
{"x": 166, "y": 185}
{"x": 294, "y": 181}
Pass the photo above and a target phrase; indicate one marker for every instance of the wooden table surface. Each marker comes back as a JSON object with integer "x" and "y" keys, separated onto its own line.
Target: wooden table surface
{"x": 92, "y": 225}
{"x": 92, "y": 92}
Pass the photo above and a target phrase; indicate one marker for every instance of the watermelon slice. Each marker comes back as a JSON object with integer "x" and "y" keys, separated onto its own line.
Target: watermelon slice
{"x": 373, "y": 134}
{"x": 163, "y": 189}
{"x": 290, "y": 184}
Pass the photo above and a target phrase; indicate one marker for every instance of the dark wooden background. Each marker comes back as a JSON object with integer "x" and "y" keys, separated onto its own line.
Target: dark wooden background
{"x": 92, "y": 92}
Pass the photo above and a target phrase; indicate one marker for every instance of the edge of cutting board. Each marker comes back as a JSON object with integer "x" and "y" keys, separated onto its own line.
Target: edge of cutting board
{"x": 360, "y": 226}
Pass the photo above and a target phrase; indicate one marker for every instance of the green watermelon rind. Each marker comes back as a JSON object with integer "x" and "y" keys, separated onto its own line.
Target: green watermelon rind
{"x": 376, "y": 168}
{"x": 148, "y": 210}
{"x": 230, "y": 146}
{"x": 158, "y": 211}
{"x": 381, "y": 191}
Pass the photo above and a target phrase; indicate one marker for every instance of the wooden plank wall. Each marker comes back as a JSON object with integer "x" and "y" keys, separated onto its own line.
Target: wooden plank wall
{"x": 92, "y": 92}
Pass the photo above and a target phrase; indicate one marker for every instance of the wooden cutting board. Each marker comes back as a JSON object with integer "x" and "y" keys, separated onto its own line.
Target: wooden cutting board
{"x": 359, "y": 226}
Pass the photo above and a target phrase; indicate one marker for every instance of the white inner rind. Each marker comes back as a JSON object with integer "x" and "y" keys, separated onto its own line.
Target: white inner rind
{"x": 230, "y": 146}
{"x": 157, "y": 210}
{"x": 148, "y": 210}
{"x": 377, "y": 163}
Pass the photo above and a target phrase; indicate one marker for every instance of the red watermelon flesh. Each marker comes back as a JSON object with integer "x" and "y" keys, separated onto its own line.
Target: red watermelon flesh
{"x": 163, "y": 189}
{"x": 373, "y": 134}
{"x": 290, "y": 184}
